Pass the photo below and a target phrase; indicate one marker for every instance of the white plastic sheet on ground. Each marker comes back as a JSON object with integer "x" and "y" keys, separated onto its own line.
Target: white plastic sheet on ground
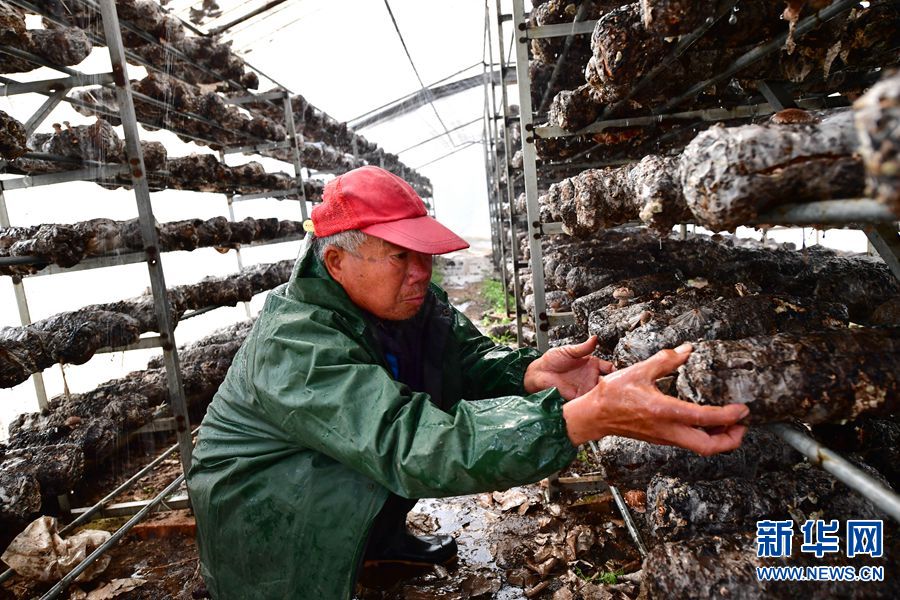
{"x": 41, "y": 553}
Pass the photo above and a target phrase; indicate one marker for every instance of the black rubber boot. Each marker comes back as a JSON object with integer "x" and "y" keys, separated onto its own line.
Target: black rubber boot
{"x": 390, "y": 542}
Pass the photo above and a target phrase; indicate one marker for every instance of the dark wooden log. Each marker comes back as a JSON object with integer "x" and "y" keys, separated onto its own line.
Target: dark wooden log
{"x": 630, "y": 464}
{"x": 725, "y": 319}
{"x": 67, "y": 245}
{"x": 656, "y": 284}
{"x": 715, "y": 567}
{"x": 74, "y": 337}
{"x": 679, "y": 509}
{"x": 878, "y": 127}
{"x": 13, "y": 143}
{"x": 817, "y": 378}
{"x": 51, "y": 452}
{"x": 873, "y": 441}
{"x": 65, "y": 47}
{"x": 730, "y": 175}
{"x": 667, "y": 18}
{"x": 548, "y": 50}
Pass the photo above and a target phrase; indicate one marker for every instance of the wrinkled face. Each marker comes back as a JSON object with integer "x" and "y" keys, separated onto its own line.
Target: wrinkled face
{"x": 387, "y": 280}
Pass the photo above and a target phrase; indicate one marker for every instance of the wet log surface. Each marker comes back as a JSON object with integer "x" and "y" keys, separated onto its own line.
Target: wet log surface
{"x": 730, "y": 175}
{"x": 657, "y": 284}
{"x": 67, "y": 245}
{"x": 631, "y": 464}
{"x": 669, "y": 324}
{"x": 678, "y": 509}
{"x": 676, "y": 17}
{"x": 817, "y": 378}
{"x": 878, "y": 126}
{"x": 74, "y": 337}
{"x": 79, "y": 431}
{"x": 713, "y": 567}
{"x": 61, "y": 46}
{"x": 612, "y": 256}
{"x": 601, "y": 198}
{"x": 215, "y": 56}
{"x": 13, "y": 143}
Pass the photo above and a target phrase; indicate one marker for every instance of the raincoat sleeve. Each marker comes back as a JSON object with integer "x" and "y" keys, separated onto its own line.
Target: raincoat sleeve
{"x": 323, "y": 391}
{"x": 489, "y": 370}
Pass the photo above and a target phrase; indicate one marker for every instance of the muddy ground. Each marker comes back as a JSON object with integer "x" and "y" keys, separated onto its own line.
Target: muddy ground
{"x": 512, "y": 543}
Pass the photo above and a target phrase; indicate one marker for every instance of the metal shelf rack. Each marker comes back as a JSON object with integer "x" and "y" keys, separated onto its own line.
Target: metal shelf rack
{"x": 879, "y": 224}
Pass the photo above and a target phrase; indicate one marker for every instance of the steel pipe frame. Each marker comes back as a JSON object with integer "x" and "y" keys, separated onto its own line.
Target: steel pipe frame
{"x": 86, "y": 515}
{"x": 56, "y": 590}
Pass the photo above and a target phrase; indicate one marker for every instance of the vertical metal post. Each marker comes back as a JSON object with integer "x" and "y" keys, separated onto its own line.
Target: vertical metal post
{"x": 24, "y": 314}
{"x": 510, "y": 188}
{"x": 886, "y": 241}
{"x": 541, "y": 323}
{"x": 296, "y": 142}
{"x": 229, "y": 197}
{"x": 148, "y": 228}
{"x": 494, "y": 134}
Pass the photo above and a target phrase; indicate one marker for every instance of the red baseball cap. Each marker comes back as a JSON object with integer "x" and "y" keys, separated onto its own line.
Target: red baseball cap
{"x": 379, "y": 203}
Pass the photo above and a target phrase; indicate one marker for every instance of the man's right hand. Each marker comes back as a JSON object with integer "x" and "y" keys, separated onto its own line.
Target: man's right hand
{"x": 627, "y": 403}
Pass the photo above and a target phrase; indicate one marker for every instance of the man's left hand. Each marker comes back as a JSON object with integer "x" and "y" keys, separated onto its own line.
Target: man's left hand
{"x": 572, "y": 369}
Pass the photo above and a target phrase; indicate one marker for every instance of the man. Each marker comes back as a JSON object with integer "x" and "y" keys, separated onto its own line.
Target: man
{"x": 360, "y": 389}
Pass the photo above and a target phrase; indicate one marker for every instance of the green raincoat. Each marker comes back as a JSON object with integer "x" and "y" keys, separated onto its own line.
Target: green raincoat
{"x": 309, "y": 432}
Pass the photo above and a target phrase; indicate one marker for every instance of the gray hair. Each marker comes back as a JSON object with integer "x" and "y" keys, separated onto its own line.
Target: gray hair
{"x": 349, "y": 240}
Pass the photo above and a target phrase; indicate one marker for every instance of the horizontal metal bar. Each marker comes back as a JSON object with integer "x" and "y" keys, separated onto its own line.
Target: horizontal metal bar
{"x": 96, "y": 262}
{"x": 56, "y": 590}
{"x": 560, "y": 30}
{"x": 126, "y": 509}
{"x": 157, "y": 425}
{"x": 141, "y": 344}
{"x": 587, "y": 483}
{"x": 7, "y": 261}
{"x": 843, "y": 470}
{"x": 88, "y": 174}
{"x": 257, "y": 148}
{"x": 561, "y": 318}
{"x": 828, "y": 212}
{"x": 703, "y": 114}
{"x": 552, "y": 228}
{"x": 272, "y": 194}
{"x": 54, "y": 85}
{"x": 274, "y": 95}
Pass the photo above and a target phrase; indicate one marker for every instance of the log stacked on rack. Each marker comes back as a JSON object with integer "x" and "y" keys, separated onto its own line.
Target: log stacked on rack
{"x": 631, "y": 41}
{"x": 317, "y": 126}
{"x": 99, "y": 143}
{"x": 13, "y": 143}
{"x": 566, "y": 56}
{"x": 632, "y": 464}
{"x": 878, "y": 127}
{"x": 74, "y": 337}
{"x": 67, "y": 245}
{"x": 49, "y": 452}
{"x": 163, "y": 41}
{"x": 62, "y": 46}
{"x": 728, "y": 176}
{"x": 819, "y": 377}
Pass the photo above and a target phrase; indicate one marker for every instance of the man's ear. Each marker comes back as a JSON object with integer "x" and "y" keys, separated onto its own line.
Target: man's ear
{"x": 334, "y": 262}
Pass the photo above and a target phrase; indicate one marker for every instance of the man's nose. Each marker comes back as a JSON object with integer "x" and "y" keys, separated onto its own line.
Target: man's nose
{"x": 420, "y": 267}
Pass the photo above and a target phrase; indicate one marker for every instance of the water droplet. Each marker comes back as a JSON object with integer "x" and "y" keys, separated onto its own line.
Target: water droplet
{"x": 732, "y": 20}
